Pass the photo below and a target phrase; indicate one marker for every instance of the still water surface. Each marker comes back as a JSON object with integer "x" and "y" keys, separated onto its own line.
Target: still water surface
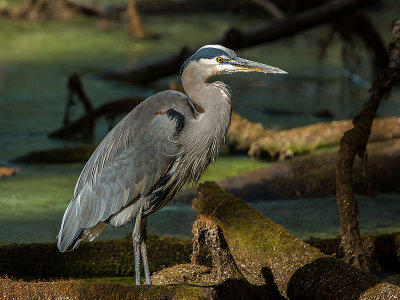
{"x": 37, "y": 57}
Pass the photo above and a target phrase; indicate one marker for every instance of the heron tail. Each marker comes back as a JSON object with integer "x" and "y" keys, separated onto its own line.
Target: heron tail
{"x": 70, "y": 232}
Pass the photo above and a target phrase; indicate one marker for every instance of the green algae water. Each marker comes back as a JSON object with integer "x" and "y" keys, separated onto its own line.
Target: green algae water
{"x": 36, "y": 59}
{"x": 33, "y": 202}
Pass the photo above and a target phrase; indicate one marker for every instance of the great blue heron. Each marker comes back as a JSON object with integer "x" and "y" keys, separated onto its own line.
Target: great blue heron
{"x": 163, "y": 144}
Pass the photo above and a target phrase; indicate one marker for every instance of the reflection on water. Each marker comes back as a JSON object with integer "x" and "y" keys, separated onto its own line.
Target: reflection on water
{"x": 36, "y": 59}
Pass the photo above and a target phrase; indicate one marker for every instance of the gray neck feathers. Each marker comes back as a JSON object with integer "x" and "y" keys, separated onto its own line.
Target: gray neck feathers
{"x": 210, "y": 127}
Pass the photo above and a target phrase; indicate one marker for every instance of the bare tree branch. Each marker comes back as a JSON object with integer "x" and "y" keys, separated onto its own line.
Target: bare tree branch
{"x": 353, "y": 143}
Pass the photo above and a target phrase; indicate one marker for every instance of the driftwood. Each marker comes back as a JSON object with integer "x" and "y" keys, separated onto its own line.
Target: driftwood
{"x": 354, "y": 142}
{"x": 266, "y": 254}
{"x": 236, "y": 39}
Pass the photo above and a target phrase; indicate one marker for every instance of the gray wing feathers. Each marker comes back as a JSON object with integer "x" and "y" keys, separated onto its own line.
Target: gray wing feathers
{"x": 124, "y": 167}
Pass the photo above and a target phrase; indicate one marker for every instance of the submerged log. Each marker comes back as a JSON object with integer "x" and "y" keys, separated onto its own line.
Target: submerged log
{"x": 266, "y": 254}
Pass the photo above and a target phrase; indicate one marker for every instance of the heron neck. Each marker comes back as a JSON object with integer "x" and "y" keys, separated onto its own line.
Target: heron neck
{"x": 212, "y": 97}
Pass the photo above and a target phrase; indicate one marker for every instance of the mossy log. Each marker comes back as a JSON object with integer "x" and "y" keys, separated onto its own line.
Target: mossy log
{"x": 266, "y": 254}
{"x": 74, "y": 289}
{"x": 253, "y": 138}
{"x": 98, "y": 259}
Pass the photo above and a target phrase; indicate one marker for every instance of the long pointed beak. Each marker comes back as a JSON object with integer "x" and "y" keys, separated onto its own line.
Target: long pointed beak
{"x": 245, "y": 65}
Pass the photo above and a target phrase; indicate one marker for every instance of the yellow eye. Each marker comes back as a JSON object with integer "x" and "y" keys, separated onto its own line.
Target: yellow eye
{"x": 220, "y": 60}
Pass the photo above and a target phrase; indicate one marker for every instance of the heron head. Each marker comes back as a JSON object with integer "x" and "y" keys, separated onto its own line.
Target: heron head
{"x": 216, "y": 59}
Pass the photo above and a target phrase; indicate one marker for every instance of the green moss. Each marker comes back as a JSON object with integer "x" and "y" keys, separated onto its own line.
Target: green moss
{"x": 76, "y": 289}
{"x": 98, "y": 259}
{"x": 122, "y": 280}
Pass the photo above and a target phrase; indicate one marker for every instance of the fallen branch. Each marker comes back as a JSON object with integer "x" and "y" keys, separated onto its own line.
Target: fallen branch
{"x": 236, "y": 39}
{"x": 266, "y": 254}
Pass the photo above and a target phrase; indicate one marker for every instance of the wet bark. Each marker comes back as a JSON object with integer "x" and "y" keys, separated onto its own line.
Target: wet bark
{"x": 353, "y": 143}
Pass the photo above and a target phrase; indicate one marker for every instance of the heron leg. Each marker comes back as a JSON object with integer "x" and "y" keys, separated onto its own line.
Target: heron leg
{"x": 143, "y": 249}
{"x": 137, "y": 239}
